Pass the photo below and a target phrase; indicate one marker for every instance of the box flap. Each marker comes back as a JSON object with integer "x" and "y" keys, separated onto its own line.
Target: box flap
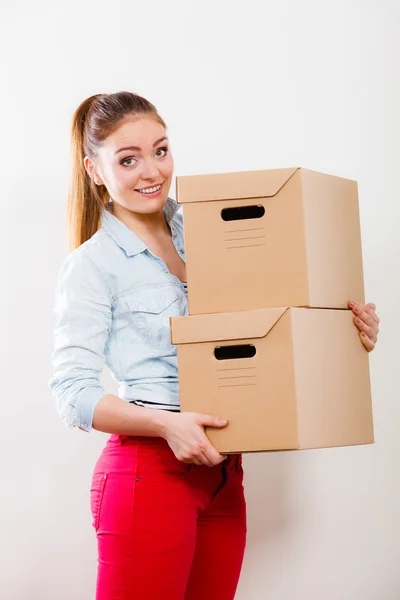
{"x": 231, "y": 186}
{"x": 224, "y": 326}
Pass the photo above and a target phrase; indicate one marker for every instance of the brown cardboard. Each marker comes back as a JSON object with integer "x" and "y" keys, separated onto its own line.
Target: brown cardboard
{"x": 304, "y": 251}
{"x": 308, "y": 385}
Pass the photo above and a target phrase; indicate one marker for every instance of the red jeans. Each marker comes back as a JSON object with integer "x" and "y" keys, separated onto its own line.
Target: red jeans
{"x": 166, "y": 530}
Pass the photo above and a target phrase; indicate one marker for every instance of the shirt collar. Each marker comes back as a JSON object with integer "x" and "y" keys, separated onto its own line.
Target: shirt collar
{"x": 125, "y": 237}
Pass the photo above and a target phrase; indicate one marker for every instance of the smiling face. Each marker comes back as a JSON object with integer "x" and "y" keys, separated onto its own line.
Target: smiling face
{"x": 135, "y": 164}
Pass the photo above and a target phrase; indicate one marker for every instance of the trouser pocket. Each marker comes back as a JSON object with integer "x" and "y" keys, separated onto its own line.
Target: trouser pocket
{"x": 96, "y": 496}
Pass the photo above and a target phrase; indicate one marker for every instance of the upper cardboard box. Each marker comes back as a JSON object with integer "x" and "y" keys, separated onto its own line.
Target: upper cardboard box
{"x": 261, "y": 239}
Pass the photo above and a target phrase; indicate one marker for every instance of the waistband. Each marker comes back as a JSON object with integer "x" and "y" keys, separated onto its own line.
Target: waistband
{"x": 233, "y": 461}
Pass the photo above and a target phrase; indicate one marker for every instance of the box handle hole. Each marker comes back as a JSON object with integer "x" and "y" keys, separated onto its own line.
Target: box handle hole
{"x": 239, "y": 213}
{"x": 233, "y": 352}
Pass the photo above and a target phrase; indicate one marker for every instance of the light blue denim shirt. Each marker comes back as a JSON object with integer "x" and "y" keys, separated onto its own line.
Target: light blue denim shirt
{"x": 113, "y": 302}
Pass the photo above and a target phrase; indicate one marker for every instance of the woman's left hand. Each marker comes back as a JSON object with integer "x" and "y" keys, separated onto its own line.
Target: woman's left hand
{"x": 367, "y": 321}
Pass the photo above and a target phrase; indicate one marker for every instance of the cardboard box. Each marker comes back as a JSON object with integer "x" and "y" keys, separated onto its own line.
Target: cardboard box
{"x": 285, "y": 378}
{"x": 259, "y": 239}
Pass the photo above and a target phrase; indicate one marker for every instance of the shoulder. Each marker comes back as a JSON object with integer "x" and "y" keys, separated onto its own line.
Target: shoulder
{"x": 84, "y": 254}
{"x": 82, "y": 266}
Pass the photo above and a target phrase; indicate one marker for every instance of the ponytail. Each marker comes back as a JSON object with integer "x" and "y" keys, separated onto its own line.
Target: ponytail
{"x": 84, "y": 201}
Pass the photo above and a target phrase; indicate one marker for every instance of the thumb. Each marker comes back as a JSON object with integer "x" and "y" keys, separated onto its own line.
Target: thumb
{"x": 213, "y": 421}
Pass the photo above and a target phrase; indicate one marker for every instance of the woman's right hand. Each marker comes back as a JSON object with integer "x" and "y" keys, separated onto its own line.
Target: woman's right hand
{"x": 187, "y": 439}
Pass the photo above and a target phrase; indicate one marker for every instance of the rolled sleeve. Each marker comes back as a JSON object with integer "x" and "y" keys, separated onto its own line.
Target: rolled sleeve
{"x": 83, "y": 322}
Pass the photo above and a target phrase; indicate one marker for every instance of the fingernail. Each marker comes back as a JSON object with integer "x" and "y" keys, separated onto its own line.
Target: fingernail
{"x": 351, "y": 303}
{"x": 363, "y": 334}
{"x": 222, "y": 421}
{"x": 358, "y": 320}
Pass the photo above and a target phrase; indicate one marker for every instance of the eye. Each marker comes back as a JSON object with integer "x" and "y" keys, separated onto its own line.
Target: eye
{"x": 163, "y": 149}
{"x": 126, "y": 160}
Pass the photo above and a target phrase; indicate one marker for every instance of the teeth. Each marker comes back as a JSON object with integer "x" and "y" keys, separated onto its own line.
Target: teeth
{"x": 150, "y": 190}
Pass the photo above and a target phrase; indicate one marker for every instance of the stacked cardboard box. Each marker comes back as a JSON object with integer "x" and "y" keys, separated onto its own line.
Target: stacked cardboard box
{"x": 272, "y": 258}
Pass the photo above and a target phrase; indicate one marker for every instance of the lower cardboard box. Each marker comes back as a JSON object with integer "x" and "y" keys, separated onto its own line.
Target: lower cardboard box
{"x": 285, "y": 378}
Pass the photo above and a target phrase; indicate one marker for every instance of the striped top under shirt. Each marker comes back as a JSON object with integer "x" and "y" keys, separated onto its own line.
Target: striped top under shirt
{"x": 147, "y": 404}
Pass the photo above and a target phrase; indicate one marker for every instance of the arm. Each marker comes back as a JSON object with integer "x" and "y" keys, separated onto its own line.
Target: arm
{"x": 84, "y": 319}
{"x": 114, "y": 415}
{"x": 83, "y": 323}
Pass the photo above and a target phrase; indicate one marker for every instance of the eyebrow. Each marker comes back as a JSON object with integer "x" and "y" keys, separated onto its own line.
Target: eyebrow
{"x": 136, "y": 148}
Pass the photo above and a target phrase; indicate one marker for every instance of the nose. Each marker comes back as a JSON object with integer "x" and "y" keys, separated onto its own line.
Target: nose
{"x": 149, "y": 169}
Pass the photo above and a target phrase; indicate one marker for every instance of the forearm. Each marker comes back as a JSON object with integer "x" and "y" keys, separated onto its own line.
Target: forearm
{"x": 114, "y": 415}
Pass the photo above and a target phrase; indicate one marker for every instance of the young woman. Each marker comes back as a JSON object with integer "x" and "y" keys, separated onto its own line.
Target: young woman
{"x": 168, "y": 509}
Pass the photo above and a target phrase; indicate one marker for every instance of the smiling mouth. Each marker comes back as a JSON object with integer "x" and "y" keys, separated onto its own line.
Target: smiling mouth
{"x": 150, "y": 190}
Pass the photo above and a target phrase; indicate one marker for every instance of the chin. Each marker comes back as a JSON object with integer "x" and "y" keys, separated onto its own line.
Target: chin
{"x": 148, "y": 206}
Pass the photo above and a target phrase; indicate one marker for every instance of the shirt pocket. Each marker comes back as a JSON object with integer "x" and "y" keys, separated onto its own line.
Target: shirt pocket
{"x": 150, "y": 311}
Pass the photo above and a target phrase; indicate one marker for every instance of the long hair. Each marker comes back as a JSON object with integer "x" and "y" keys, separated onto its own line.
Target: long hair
{"x": 93, "y": 121}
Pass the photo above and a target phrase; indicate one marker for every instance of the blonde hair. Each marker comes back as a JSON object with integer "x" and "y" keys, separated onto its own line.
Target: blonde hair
{"x": 93, "y": 121}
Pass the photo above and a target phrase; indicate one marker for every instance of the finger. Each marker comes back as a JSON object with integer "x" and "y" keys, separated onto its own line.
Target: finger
{"x": 365, "y": 314}
{"x": 374, "y": 323}
{"x": 364, "y": 319}
{"x": 205, "y": 461}
{"x": 373, "y": 313}
{"x": 368, "y": 317}
{"x": 202, "y": 459}
{"x": 219, "y": 459}
{"x": 213, "y": 455}
{"x": 206, "y": 453}
{"x": 371, "y": 333}
{"x": 368, "y": 343}
{"x": 211, "y": 421}
{"x": 356, "y": 308}
{"x": 197, "y": 459}
{"x": 359, "y": 309}
{"x": 192, "y": 460}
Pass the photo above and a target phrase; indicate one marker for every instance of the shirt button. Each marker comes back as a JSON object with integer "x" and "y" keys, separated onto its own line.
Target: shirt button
{"x": 181, "y": 251}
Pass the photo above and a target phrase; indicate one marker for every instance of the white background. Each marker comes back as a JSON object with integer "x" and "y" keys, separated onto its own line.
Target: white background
{"x": 242, "y": 85}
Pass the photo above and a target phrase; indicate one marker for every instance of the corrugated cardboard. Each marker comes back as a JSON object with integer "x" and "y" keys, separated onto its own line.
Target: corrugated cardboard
{"x": 301, "y": 246}
{"x": 306, "y": 386}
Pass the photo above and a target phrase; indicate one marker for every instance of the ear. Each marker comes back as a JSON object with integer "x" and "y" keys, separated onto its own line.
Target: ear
{"x": 90, "y": 169}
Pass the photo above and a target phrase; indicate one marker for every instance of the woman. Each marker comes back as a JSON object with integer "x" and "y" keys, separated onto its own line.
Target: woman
{"x": 168, "y": 509}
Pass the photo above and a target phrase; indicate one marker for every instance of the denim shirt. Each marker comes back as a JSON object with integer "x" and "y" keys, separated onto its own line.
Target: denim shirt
{"x": 113, "y": 302}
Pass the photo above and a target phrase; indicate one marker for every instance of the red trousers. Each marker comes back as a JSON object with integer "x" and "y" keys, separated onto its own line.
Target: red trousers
{"x": 166, "y": 530}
